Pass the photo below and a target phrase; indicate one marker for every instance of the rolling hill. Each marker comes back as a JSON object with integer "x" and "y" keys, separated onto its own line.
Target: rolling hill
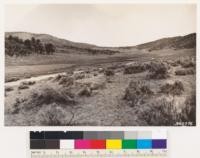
{"x": 179, "y": 42}
{"x": 66, "y": 46}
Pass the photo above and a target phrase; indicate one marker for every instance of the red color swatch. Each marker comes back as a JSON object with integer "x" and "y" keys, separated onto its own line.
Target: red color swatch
{"x": 98, "y": 144}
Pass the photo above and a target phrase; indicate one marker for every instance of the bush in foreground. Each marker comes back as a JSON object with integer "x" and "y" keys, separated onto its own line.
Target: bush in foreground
{"x": 188, "y": 112}
{"x": 53, "y": 115}
{"x": 165, "y": 113}
{"x": 36, "y": 98}
{"x": 160, "y": 113}
{"x": 158, "y": 70}
{"x": 137, "y": 92}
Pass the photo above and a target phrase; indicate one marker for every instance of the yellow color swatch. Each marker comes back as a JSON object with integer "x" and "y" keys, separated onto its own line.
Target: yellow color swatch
{"x": 113, "y": 144}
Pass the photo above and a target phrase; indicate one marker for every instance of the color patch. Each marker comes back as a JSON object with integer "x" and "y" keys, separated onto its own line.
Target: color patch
{"x": 113, "y": 144}
{"x": 129, "y": 144}
{"x": 52, "y": 144}
{"x": 37, "y": 135}
{"x": 103, "y": 135}
{"x": 63, "y": 135}
{"x": 37, "y": 144}
{"x": 98, "y": 144}
{"x": 82, "y": 144}
{"x": 66, "y": 144}
{"x": 130, "y": 135}
{"x": 116, "y": 135}
{"x": 144, "y": 135}
{"x": 159, "y": 144}
{"x": 144, "y": 144}
{"x": 90, "y": 135}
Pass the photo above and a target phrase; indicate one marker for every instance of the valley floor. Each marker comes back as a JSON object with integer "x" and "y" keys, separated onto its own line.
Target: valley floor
{"x": 94, "y": 92}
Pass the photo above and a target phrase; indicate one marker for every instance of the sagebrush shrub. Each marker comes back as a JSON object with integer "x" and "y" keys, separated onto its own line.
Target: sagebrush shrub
{"x": 137, "y": 92}
{"x": 184, "y": 72}
{"x": 188, "y": 111}
{"x": 160, "y": 113}
{"x": 176, "y": 88}
{"x": 186, "y": 62}
{"x": 47, "y": 95}
{"x": 158, "y": 70}
{"x": 109, "y": 72}
{"x": 52, "y": 115}
{"x": 134, "y": 68}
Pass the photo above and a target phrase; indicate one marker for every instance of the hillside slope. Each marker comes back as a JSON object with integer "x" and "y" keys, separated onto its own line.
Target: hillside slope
{"x": 58, "y": 42}
{"x": 179, "y": 42}
{"x": 64, "y": 46}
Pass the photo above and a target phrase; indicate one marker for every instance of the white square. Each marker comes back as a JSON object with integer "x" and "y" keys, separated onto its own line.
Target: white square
{"x": 66, "y": 144}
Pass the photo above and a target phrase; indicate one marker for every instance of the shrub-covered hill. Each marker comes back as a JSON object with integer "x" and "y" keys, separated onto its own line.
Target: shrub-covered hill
{"x": 179, "y": 42}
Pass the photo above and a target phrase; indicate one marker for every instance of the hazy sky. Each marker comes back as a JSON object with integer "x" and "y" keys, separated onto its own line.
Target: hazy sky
{"x": 104, "y": 24}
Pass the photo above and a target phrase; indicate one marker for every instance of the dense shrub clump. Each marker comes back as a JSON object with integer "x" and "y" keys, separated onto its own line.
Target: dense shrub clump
{"x": 188, "y": 112}
{"x": 160, "y": 113}
{"x": 137, "y": 92}
{"x": 53, "y": 115}
{"x": 158, "y": 70}
{"x": 134, "y": 68}
{"x": 109, "y": 72}
{"x": 165, "y": 113}
{"x": 176, "y": 88}
{"x": 184, "y": 72}
{"x": 186, "y": 62}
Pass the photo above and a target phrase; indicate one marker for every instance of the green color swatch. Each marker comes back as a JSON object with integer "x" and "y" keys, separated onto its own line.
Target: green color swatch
{"x": 129, "y": 144}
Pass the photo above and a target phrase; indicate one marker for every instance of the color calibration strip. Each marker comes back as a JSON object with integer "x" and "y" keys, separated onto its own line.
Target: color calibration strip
{"x": 99, "y": 141}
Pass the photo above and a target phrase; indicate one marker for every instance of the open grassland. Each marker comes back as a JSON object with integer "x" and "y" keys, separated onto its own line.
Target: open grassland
{"x": 138, "y": 88}
{"x": 36, "y": 65}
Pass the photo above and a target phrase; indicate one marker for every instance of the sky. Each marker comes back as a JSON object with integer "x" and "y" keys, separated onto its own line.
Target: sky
{"x": 103, "y": 24}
